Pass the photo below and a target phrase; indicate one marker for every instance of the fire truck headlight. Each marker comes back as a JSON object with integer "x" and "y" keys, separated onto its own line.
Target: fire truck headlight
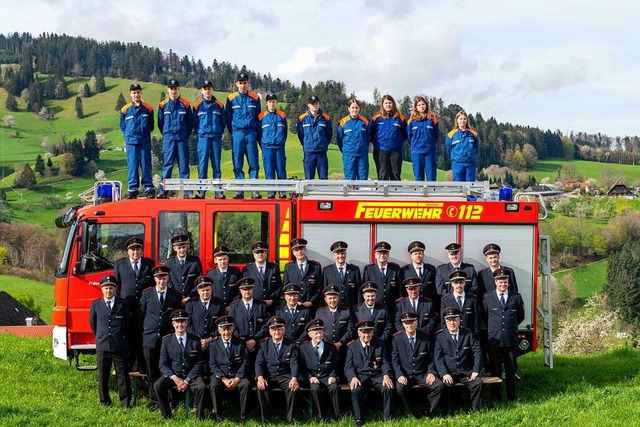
{"x": 524, "y": 345}
{"x": 325, "y": 206}
{"x": 511, "y": 207}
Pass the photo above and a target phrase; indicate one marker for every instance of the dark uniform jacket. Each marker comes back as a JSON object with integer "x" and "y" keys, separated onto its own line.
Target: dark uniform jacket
{"x": 294, "y": 324}
{"x": 267, "y": 287}
{"x": 323, "y": 368}
{"x": 361, "y": 367}
{"x": 203, "y": 323}
{"x": 461, "y": 359}
{"x": 156, "y": 320}
{"x": 250, "y": 326}
{"x": 131, "y": 285}
{"x": 428, "y": 286}
{"x": 349, "y": 286}
{"x": 339, "y": 327}
{"x": 110, "y": 329}
{"x": 426, "y": 311}
{"x": 502, "y": 323}
{"x": 443, "y": 285}
{"x": 414, "y": 362}
{"x": 185, "y": 364}
{"x": 184, "y": 277}
{"x": 381, "y": 317}
{"x": 225, "y": 288}
{"x": 470, "y": 317}
{"x": 486, "y": 281}
{"x": 271, "y": 363}
{"x": 233, "y": 364}
{"x": 310, "y": 283}
{"x": 388, "y": 286}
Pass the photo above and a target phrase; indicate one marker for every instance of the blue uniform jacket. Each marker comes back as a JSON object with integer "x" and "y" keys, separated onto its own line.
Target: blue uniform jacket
{"x": 388, "y": 134}
{"x": 352, "y": 136}
{"x": 203, "y": 323}
{"x": 428, "y": 285}
{"x": 209, "y": 119}
{"x": 310, "y": 284}
{"x": 452, "y": 359}
{"x": 250, "y": 326}
{"x": 412, "y": 363}
{"x": 314, "y": 133}
{"x": 156, "y": 321}
{"x": 423, "y": 135}
{"x": 225, "y": 288}
{"x": 339, "y": 327}
{"x": 270, "y": 363}
{"x": 486, "y": 281}
{"x": 228, "y": 365}
{"x": 470, "y": 318}
{"x": 443, "y": 284}
{"x": 267, "y": 287}
{"x": 427, "y": 315}
{"x": 137, "y": 123}
{"x": 349, "y": 286}
{"x": 183, "y": 277}
{"x": 323, "y": 368}
{"x": 175, "y": 119}
{"x": 272, "y": 132}
{"x": 388, "y": 285}
{"x": 110, "y": 329}
{"x": 502, "y": 323}
{"x": 381, "y": 317}
{"x": 185, "y": 364}
{"x": 242, "y": 111}
{"x": 294, "y": 323}
{"x": 462, "y": 147}
{"x": 375, "y": 367}
{"x": 131, "y": 285}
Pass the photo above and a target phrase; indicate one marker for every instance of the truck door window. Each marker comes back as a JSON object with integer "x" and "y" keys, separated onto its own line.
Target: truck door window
{"x": 173, "y": 223}
{"x": 105, "y": 244}
{"x": 238, "y": 230}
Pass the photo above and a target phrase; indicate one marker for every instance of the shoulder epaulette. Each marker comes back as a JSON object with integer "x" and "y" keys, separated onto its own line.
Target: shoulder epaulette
{"x": 148, "y": 106}
{"x": 217, "y": 101}
{"x": 125, "y": 108}
{"x": 253, "y": 95}
{"x": 304, "y": 342}
{"x": 326, "y": 116}
{"x": 484, "y": 269}
{"x": 262, "y": 114}
{"x": 197, "y": 104}
{"x": 351, "y": 342}
{"x": 452, "y": 132}
{"x": 265, "y": 339}
{"x": 343, "y": 306}
{"x": 375, "y": 117}
{"x": 281, "y": 114}
{"x": 313, "y": 262}
{"x": 393, "y": 263}
{"x": 364, "y": 119}
{"x": 235, "y": 301}
{"x": 439, "y": 331}
{"x": 149, "y": 289}
{"x": 399, "y": 299}
{"x": 489, "y": 293}
{"x": 164, "y": 102}
{"x": 400, "y": 116}
{"x": 167, "y": 336}
{"x": 302, "y": 116}
{"x": 184, "y": 101}
{"x": 344, "y": 120}
{"x": 397, "y": 333}
{"x": 232, "y": 96}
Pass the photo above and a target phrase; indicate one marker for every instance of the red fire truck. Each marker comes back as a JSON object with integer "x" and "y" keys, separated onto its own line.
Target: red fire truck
{"x": 358, "y": 212}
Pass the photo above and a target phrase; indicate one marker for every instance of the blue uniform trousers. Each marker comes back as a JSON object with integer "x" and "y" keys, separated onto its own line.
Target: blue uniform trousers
{"x": 245, "y": 143}
{"x": 355, "y": 167}
{"x": 274, "y": 161}
{"x": 171, "y": 149}
{"x": 316, "y": 161}
{"x": 463, "y": 172}
{"x": 424, "y": 162}
{"x": 209, "y": 151}
{"x": 139, "y": 156}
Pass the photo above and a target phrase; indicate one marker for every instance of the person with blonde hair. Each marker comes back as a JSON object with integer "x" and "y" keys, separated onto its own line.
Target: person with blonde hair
{"x": 388, "y": 130}
{"x": 422, "y": 133}
{"x": 353, "y": 140}
{"x": 462, "y": 147}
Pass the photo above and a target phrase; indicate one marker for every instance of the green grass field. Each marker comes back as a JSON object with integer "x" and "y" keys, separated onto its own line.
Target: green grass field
{"x": 589, "y": 278}
{"x": 548, "y": 168}
{"x": 42, "y": 293}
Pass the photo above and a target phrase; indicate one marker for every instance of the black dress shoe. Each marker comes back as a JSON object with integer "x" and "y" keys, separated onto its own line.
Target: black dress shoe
{"x": 107, "y": 404}
{"x": 132, "y": 195}
{"x": 239, "y": 195}
{"x": 150, "y": 195}
{"x": 153, "y": 406}
{"x": 162, "y": 196}
{"x": 217, "y": 418}
{"x": 242, "y": 421}
{"x": 359, "y": 423}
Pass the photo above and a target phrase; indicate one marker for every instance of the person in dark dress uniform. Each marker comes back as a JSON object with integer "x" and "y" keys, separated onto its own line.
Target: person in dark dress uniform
{"x": 339, "y": 323}
{"x": 204, "y": 313}
{"x": 414, "y": 302}
{"x": 319, "y": 369}
{"x": 387, "y": 275}
{"x": 250, "y": 315}
{"x": 306, "y": 273}
{"x": 224, "y": 277}
{"x": 412, "y": 362}
{"x": 109, "y": 317}
{"x": 455, "y": 263}
{"x": 368, "y": 368}
{"x": 294, "y": 315}
{"x": 346, "y": 276}
{"x": 266, "y": 275}
{"x": 458, "y": 357}
{"x": 181, "y": 366}
{"x": 229, "y": 366}
{"x": 375, "y": 311}
{"x": 464, "y": 301}
{"x": 277, "y": 366}
{"x": 420, "y": 269}
{"x": 486, "y": 282}
{"x": 185, "y": 268}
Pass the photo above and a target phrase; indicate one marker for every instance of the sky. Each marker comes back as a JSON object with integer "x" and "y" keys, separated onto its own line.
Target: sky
{"x": 554, "y": 64}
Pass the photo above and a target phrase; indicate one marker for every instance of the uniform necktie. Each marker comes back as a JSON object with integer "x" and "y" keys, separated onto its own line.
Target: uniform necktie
{"x": 414, "y": 304}
{"x": 206, "y": 306}
{"x": 455, "y": 338}
{"x": 366, "y": 351}
{"x": 224, "y": 276}
{"x": 333, "y": 315}
{"x": 382, "y": 271}
{"x": 181, "y": 263}
{"x": 292, "y": 312}
{"x": 109, "y": 306}
{"x": 161, "y": 299}
{"x": 181, "y": 344}
{"x": 302, "y": 269}
{"x": 316, "y": 349}
{"x": 371, "y": 311}
{"x": 460, "y": 301}
{"x": 226, "y": 347}
{"x": 342, "y": 273}
{"x": 502, "y": 301}
{"x": 412, "y": 341}
{"x": 262, "y": 272}
{"x": 248, "y": 308}
{"x": 278, "y": 348}
{"x": 419, "y": 272}
{"x": 135, "y": 268}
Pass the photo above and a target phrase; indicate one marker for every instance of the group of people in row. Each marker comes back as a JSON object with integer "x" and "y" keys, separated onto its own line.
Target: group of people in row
{"x": 242, "y": 116}
{"x": 334, "y": 327}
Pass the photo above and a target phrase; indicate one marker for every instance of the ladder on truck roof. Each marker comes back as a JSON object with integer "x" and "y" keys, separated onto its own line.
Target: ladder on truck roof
{"x": 475, "y": 190}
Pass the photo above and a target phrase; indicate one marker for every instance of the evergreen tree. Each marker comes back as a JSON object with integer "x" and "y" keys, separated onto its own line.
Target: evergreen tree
{"x": 49, "y": 163}
{"x": 61, "y": 91}
{"x": 26, "y": 178}
{"x": 74, "y": 162}
{"x": 12, "y": 102}
{"x": 86, "y": 91}
{"x": 623, "y": 282}
{"x": 100, "y": 85}
{"x": 39, "y": 167}
{"x": 79, "y": 109}
{"x": 91, "y": 149}
{"x": 121, "y": 102}
{"x": 35, "y": 102}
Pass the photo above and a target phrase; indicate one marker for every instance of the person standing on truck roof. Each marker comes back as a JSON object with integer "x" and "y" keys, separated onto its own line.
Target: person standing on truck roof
{"x": 387, "y": 275}
{"x": 272, "y": 136}
{"x": 352, "y": 138}
{"x": 266, "y": 276}
{"x": 443, "y": 271}
{"x": 306, "y": 273}
{"x": 175, "y": 122}
{"x": 388, "y": 133}
{"x": 243, "y": 109}
{"x": 422, "y": 133}
{"x": 185, "y": 268}
{"x": 224, "y": 276}
{"x": 136, "y": 124}
{"x": 315, "y": 131}
{"x": 210, "y": 121}
{"x": 462, "y": 147}
{"x": 342, "y": 274}
{"x": 109, "y": 316}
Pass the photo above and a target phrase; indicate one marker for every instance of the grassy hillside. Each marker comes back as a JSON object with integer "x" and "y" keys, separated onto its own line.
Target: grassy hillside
{"x": 548, "y": 168}
{"x": 42, "y": 293}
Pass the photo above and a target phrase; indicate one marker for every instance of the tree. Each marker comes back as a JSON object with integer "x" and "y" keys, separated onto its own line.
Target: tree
{"x": 12, "y": 103}
{"x": 61, "y": 91}
{"x": 8, "y": 121}
{"x": 84, "y": 91}
{"x": 121, "y": 102}
{"x": 39, "y": 166}
{"x": 91, "y": 149}
{"x": 72, "y": 162}
{"x": 100, "y": 85}
{"x": 25, "y": 178}
{"x": 530, "y": 155}
{"x": 49, "y": 163}
{"x": 623, "y": 282}
{"x": 79, "y": 109}
{"x": 45, "y": 114}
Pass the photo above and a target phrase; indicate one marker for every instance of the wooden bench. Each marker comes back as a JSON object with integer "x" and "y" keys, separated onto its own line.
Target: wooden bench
{"x": 137, "y": 376}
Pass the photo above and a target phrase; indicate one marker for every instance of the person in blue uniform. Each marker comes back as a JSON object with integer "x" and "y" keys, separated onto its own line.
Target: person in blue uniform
{"x": 294, "y": 315}
{"x": 422, "y": 133}
{"x": 412, "y": 362}
{"x": 388, "y": 131}
{"x": 277, "y": 366}
{"x": 352, "y": 138}
{"x": 503, "y": 311}
{"x": 204, "y": 312}
{"x": 250, "y": 314}
{"x": 467, "y": 303}
{"x": 462, "y": 144}
{"x": 185, "y": 268}
{"x": 224, "y": 277}
{"x": 266, "y": 275}
{"x": 387, "y": 275}
{"x": 181, "y": 366}
{"x": 315, "y": 131}
{"x": 304, "y": 272}
{"x": 374, "y": 311}
{"x": 272, "y": 136}
{"x": 421, "y": 269}
{"x": 339, "y": 324}
{"x": 229, "y": 367}
{"x": 486, "y": 282}
{"x": 109, "y": 318}
{"x": 242, "y": 109}
{"x": 319, "y": 369}
{"x": 343, "y": 274}
{"x": 136, "y": 124}
{"x": 443, "y": 271}
{"x": 156, "y": 305}
{"x": 209, "y": 121}
{"x": 175, "y": 123}
{"x": 458, "y": 357}
{"x": 416, "y": 303}
{"x": 368, "y": 368}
